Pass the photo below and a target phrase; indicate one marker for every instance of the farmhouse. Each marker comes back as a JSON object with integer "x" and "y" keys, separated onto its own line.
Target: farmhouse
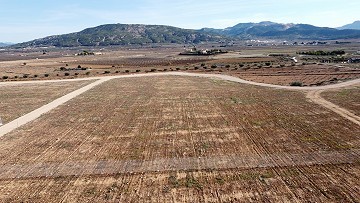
{"x": 354, "y": 60}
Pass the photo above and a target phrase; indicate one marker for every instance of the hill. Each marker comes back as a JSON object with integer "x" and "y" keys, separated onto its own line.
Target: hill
{"x": 355, "y": 26}
{"x": 125, "y": 34}
{"x": 130, "y": 34}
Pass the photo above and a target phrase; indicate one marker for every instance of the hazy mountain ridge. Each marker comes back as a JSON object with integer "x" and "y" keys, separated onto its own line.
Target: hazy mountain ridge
{"x": 355, "y": 26}
{"x": 5, "y": 44}
{"x": 284, "y": 31}
{"x": 126, "y": 34}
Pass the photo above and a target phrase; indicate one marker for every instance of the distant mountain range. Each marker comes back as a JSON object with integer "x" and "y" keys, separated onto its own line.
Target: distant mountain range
{"x": 271, "y": 30}
{"x": 5, "y": 44}
{"x": 126, "y": 34}
{"x": 355, "y": 25}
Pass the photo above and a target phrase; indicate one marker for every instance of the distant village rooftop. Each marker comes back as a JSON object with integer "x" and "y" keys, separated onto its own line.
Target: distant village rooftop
{"x": 196, "y": 52}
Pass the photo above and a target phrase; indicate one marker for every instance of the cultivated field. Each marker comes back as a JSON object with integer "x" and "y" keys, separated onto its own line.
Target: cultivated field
{"x": 260, "y": 64}
{"x": 19, "y": 99}
{"x": 348, "y": 98}
{"x": 183, "y": 139}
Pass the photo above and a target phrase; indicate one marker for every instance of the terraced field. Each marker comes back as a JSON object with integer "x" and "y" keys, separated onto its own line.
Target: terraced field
{"x": 183, "y": 139}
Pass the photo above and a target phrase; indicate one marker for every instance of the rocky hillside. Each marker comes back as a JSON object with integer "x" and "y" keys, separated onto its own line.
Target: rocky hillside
{"x": 124, "y": 34}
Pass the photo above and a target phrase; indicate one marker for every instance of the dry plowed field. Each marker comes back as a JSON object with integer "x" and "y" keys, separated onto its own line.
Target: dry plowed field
{"x": 17, "y": 100}
{"x": 309, "y": 75}
{"x": 348, "y": 98}
{"x": 182, "y": 139}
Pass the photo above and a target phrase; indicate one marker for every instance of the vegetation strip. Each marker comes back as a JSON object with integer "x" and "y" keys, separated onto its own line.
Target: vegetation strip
{"x": 111, "y": 167}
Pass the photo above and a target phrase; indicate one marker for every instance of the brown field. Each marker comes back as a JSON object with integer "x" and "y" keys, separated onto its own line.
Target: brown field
{"x": 348, "y": 98}
{"x": 182, "y": 139}
{"x": 309, "y": 75}
{"x": 17, "y": 100}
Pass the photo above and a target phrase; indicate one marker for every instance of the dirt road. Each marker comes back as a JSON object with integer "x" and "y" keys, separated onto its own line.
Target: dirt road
{"x": 313, "y": 95}
{"x": 46, "y": 108}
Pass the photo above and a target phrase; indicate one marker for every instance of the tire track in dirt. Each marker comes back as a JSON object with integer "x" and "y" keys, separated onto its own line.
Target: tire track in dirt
{"x": 112, "y": 167}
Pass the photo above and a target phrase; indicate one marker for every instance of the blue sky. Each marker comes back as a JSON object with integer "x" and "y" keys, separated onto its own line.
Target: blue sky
{"x": 24, "y": 20}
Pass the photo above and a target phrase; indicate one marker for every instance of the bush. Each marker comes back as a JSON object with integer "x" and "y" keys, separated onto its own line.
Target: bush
{"x": 16, "y": 76}
{"x": 203, "y": 64}
{"x": 165, "y": 69}
{"x": 35, "y": 76}
{"x": 5, "y": 77}
{"x": 227, "y": 66}
{"x": 267, "y": 63}
{"x": 79, "y": 67}
{"x": 87, "y": 73}
{"x": 177, "y": 68}
{"x": 25, "y": 76}
{"x": 138, "y": 71}
{"x": 214, "y": 66}
{"x": 241, "y": 65}
{"x": 127, "y": 71}
{"x": 107, "y": 72}
{"x": 296, "y": 83}
{"x": 196, "y": 68}
{"x": 76, "y": 73}
{"x": 46, "y": 75}
{"x": 153, "y": 70}
{"x": 66, "y": 74}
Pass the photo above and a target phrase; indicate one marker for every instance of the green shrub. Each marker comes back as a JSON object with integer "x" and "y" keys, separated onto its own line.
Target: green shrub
{"x": 296, "y": 83}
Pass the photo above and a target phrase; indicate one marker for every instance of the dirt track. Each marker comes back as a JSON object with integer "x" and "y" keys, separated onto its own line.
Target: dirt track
{"x": 313, "y": 95}
{"x": 111, "y": 167}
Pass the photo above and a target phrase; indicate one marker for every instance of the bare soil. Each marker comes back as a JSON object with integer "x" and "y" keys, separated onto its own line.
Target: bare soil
{"x": 348, "y": 98}
{"x": 144, "y": 119}
{"x": 17, "y": 100}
